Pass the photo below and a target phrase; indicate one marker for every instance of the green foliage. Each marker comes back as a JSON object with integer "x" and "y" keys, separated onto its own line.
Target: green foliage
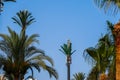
{"x": 111, "y": 69}
{"x": 102, "y": 56}
{"x": 23, "y": 19}
{"x": 79, "y": 76}
{"x": 67, "y": 49}
{"x": 94, "y": 74}
{"x": 19, "y": 54}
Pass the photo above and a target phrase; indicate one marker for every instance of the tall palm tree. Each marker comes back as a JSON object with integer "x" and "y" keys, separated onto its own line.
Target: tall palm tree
{"x": 19, "y": 55}
{"x": 78, "y": 76}
{"x": 111, "y": 6}
{"x": 67, "y": 50}
{"x": 2, "y": 3}
{"x": 24, "y": 19}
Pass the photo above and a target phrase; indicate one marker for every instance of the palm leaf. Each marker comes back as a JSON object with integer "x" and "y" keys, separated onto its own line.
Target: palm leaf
{"x": 52, "y": 72}
{"x": 79, "y": 76}
{"x": 109, "y": 6}
{"x": 67, "y": 48}
{"x": 23, "y": 19}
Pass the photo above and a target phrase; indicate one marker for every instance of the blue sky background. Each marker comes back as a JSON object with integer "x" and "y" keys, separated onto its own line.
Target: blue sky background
{"x": 56, "y": 22}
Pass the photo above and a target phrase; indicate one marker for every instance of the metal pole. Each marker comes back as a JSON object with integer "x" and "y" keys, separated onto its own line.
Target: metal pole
{"x": 68, "y": 66}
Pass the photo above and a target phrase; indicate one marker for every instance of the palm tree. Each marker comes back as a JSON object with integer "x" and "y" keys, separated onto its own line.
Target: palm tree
{"x": 2, "y": 3}
{"x": 67, "y": 50}
{"x": 24, "y": 19}
{"x": 79, "y": 76}
{"x": 108, "y": 41}
{"x": 112, "y": 6}
{"x": 19, "y": 55}
{"x": 102, "y": 55}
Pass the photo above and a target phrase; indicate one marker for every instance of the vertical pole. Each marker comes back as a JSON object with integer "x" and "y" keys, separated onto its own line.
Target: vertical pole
{"x": 68, "y": 72}
{"x": 68, "y": 66}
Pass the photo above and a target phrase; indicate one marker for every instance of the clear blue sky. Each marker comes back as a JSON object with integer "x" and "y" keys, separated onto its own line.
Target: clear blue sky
{"x": 56, "y": 22}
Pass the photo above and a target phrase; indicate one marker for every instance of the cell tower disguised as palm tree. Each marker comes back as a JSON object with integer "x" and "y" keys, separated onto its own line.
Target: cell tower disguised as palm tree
{"x": 67, "y": 50}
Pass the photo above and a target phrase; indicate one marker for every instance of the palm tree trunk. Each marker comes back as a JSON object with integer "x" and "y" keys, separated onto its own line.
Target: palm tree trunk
{"x": 118, "y": 60}
{"x": 68, "y": 67}
{"x": 116, "y": 33}
{"x": 68, "y": 71}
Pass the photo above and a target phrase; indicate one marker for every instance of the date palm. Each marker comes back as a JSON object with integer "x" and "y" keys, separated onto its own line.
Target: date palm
{"x": 24, "y": 19}
{"x": 19, "y": 55}
{"x": 67, "y": 50}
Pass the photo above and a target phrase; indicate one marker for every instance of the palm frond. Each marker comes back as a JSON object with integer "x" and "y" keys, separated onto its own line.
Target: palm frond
{"x": 31, "y": 39}
{"x": 36, "y": 66}
{"x": 32, "y": 51}
{"x": 20, "y": 54}
{"x": 67, "y": 48}
{"x": 79, "y": 76}
{"x": 90, "y": 55}
{"x": 40, "y": 58}
{"x": 52, "y": 72}
{"x": 109, "y": 6}
{"x": 23, "y": 19}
